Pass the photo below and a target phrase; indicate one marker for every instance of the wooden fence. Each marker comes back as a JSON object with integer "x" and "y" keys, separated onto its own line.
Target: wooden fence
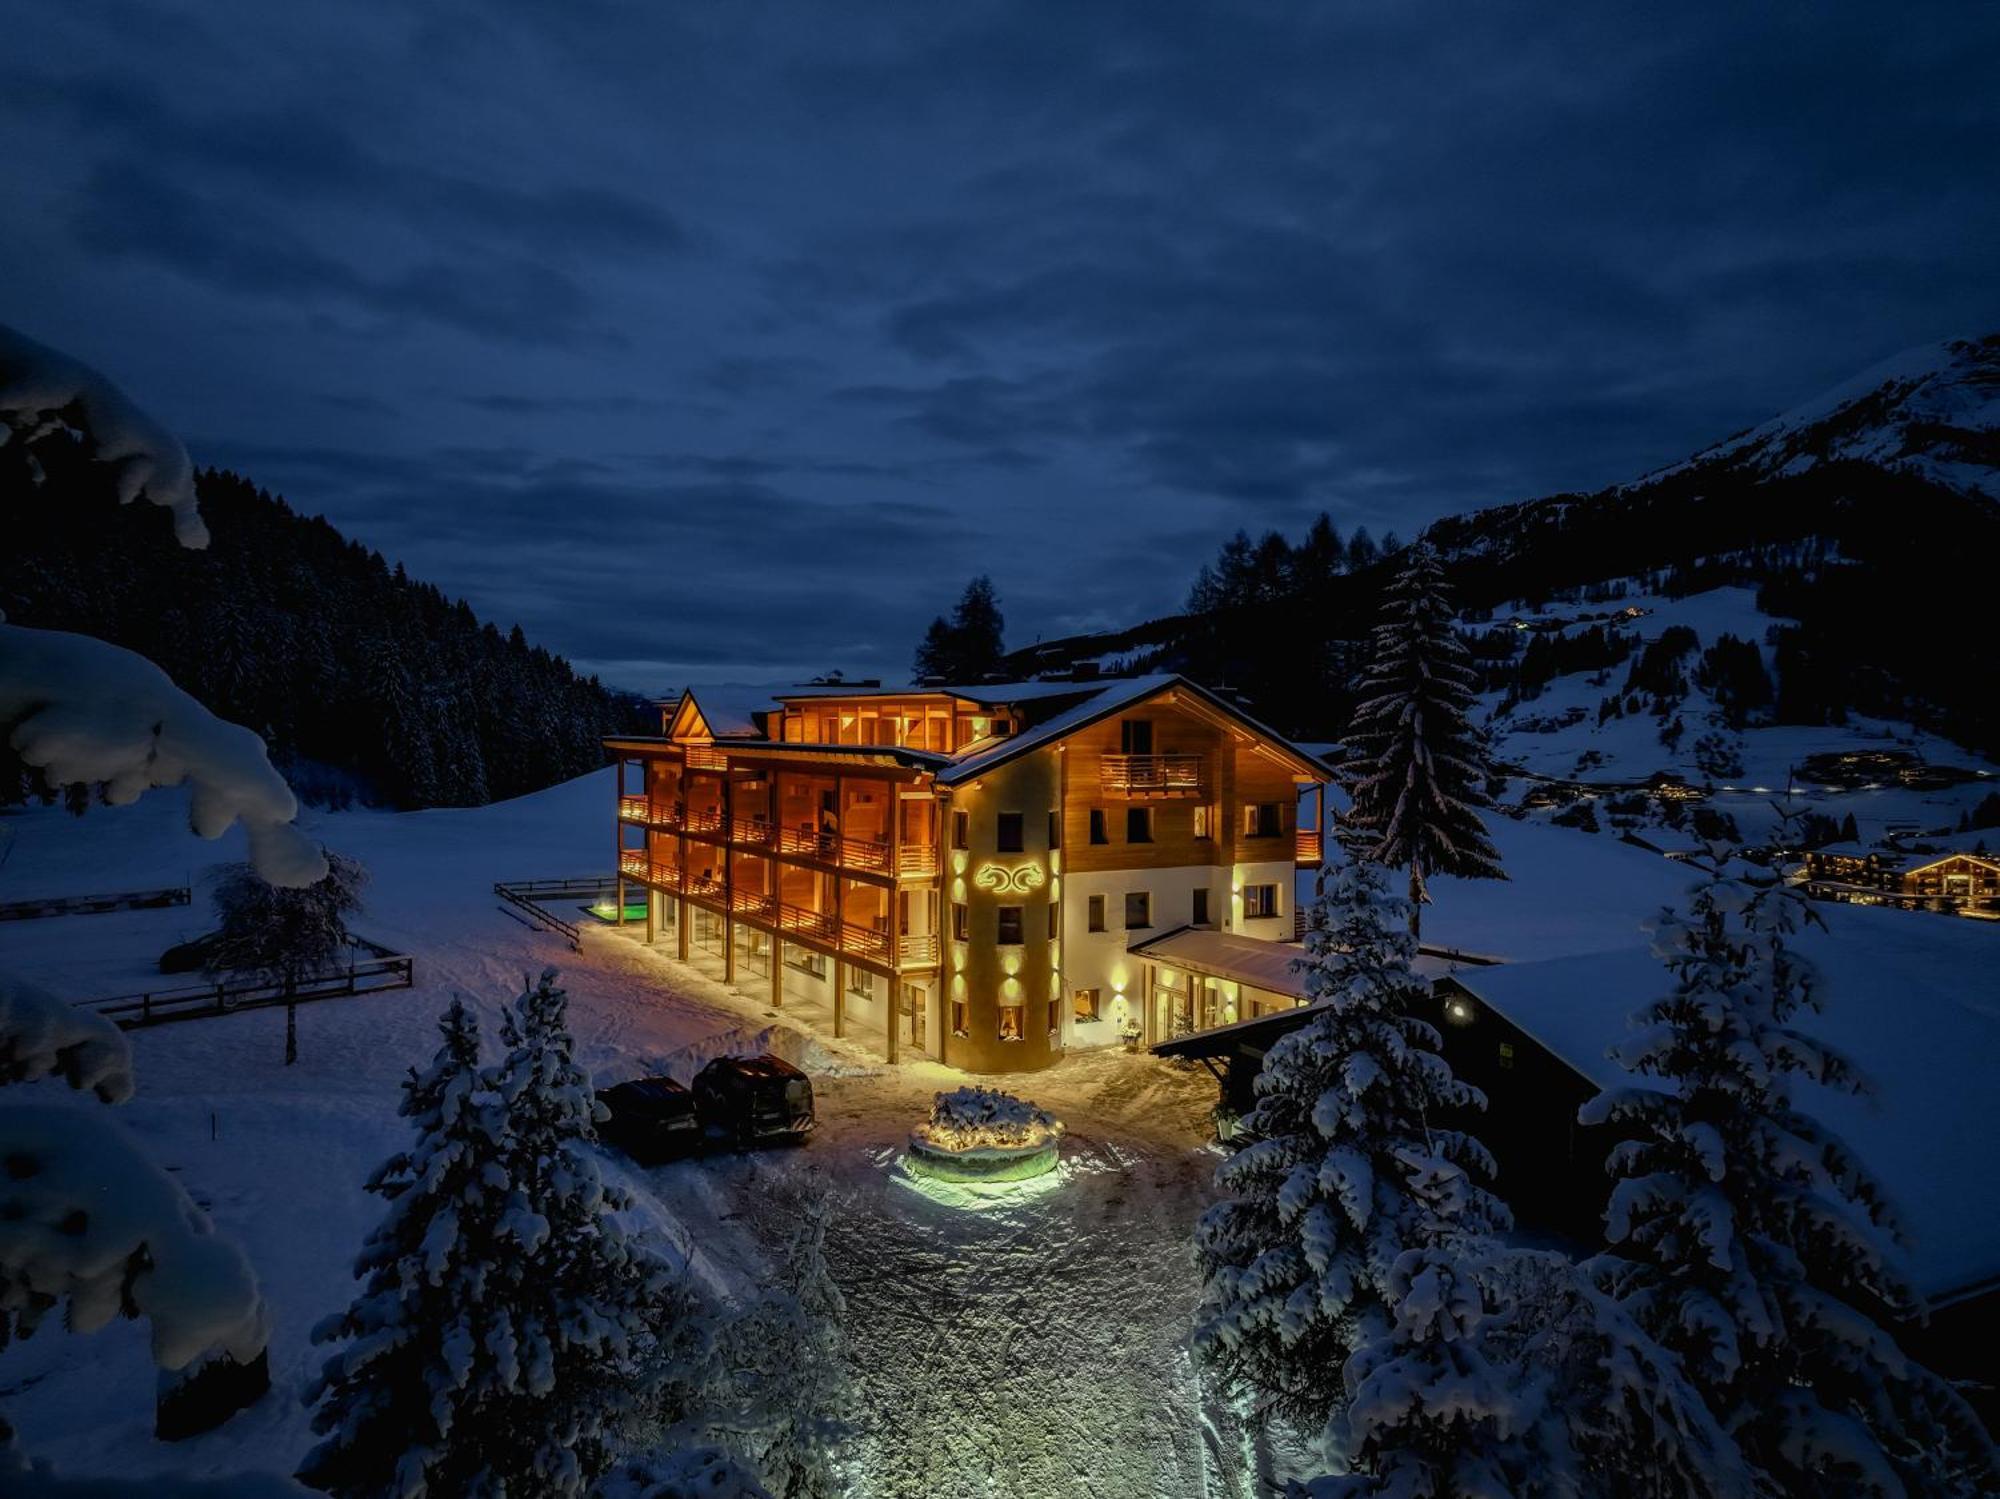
{"x": 91, "y": 905}
{"x": 379, "y": 969}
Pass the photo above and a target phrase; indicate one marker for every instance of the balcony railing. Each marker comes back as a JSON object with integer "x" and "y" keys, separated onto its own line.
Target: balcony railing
{"x": 832, "y": 848}
{"x": 918, "y": 951}
{"x": 1153, "y": 775}
{"x": 753, "y": 903}
{"x": 639, "y": 809}
{"x": 705, "y": 820}
{"x": 704, "y": 757}
{"x": 917, "y": 858}
{"x": 751, "y": 832}
{"x": 636, "y": 866}
{"x": 1311, "y": 848}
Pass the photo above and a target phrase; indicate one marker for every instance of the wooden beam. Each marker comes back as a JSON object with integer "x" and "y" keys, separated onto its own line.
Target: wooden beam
{"x": 839, "y": 998}
{"x": 777, "y": 972}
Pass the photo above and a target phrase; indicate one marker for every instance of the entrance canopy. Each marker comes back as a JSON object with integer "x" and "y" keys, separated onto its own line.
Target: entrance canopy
{"x": 1251, "y": 961}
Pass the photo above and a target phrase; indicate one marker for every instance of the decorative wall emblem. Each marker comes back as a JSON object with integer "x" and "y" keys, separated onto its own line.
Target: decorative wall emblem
{"x": 1018, "y": 880}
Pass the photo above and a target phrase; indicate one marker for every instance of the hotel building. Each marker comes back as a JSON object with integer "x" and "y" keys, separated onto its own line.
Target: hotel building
{"x": 975, "y": 874}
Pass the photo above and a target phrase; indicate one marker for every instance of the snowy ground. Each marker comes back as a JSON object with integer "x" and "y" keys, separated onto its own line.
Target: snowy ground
{"x": 1009, "y": 1341}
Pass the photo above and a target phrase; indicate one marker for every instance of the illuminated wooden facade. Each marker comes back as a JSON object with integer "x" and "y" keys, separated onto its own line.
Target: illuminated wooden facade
{"x": 962, "y": 872}
{"x": 1968, "y": 884}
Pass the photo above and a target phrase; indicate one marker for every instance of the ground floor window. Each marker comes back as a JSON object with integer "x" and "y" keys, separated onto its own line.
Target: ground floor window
{"x": 1087, "y": 1001}
{"x": 1260, "y": 901}
{"x": 805, "y": 960}
{"x": 1055, "y": 1017}
{"x": 961, "y": 1019}
{"x": 1011, "y": 1023}
{"x": 860, "y": 982}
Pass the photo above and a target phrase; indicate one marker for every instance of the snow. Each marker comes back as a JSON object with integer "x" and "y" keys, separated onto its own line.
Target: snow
{"x": 43, "y": 391}
{"x": 1909, "y": 998}
{"x": 1903, "y": 413}
{"x": 80, "y": 710}
{"x": 1034, "y": 1336}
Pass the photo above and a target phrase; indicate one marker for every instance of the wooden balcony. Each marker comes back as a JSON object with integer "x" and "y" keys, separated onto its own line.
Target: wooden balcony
{"x": 832, "y": 848}
{"x": 1153, "y": 775}
{"x": 706, "y": 757}
{"x": 751, "y": 832}
{"x": 1311, "y": 848}
{"x": 647, "y": 814}
{"x": 708, "y": 820}
{"x": 821, "y": 928}
{"x": 917, "y": 859}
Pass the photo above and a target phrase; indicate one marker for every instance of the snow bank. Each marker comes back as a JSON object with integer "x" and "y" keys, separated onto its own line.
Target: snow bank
{"x": 43, "y": 392}
{"x": 81, "y": 710}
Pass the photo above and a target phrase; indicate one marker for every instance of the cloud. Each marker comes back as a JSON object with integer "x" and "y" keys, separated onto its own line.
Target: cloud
{"x": 692, "y": 333}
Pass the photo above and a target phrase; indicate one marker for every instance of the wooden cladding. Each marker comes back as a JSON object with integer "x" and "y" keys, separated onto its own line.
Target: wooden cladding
{"x": 1153, "y": 775}
{"x": 705, "y": 757}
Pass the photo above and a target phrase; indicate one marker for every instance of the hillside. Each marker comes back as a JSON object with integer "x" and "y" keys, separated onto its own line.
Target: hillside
{"x": 366, "y": 684}
{"x": 1833, "y": 514}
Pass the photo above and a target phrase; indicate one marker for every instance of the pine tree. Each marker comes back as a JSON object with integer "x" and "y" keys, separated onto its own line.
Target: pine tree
{"x": 968, "y": 647}
{"x": 579, "y": 1294}
{"x": 1342, "y": 1165}
{"x": 1416, "y": 766}
{"x": 504, "y": 1316}
{"x": 402, "y": 1404}
{"x": 1748, "y": 1238}
{"x": 1430, "y": 1412}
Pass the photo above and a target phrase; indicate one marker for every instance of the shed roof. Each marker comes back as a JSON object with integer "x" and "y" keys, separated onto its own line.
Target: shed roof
{"x": 1907, "y": 999}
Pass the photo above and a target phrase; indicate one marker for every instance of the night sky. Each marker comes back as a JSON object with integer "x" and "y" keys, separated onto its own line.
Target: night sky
{"x": 724, "y": 342}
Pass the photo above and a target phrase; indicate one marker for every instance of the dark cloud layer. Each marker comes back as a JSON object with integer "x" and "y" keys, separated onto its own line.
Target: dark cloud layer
{"x": 727, "y": 340}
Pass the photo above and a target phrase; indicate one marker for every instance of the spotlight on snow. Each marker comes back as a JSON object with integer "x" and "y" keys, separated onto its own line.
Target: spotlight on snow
{"x": 984, "y": 1135}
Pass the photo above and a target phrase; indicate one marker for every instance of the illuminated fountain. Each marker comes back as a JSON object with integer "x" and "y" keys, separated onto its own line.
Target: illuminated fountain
{"x": 984, "y": 1135}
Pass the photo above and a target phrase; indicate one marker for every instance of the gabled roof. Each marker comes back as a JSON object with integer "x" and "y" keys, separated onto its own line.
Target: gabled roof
{"x": 719, "y": 713}
{"x": 1116, "y": 697}
{"x": 1981, "y": 860}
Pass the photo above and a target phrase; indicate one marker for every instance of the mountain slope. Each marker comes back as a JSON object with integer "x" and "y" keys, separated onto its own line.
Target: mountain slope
{"x": 1931, "y": 411}
{"x": 1864, "y": 520}
{"x": 365, "y": 684}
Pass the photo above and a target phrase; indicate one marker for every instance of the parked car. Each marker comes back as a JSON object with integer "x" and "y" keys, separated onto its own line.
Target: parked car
{"x": 754, "y": 1100}
{"x": 652, "y": 1119}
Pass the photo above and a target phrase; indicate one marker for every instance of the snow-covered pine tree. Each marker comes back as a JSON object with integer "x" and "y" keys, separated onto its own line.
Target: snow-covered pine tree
{"x": 1321, "y": 1195}
{"x": 576, "y": 1300}
{"x": 1748, "y": 1238}
{"x": 1430, "y": 1414}
{"x": 1416, "y": 765}
{"x": 405, "y": 1403}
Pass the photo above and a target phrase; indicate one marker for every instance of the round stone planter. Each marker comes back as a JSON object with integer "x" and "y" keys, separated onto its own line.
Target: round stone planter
{"x": 983, "y": 1163}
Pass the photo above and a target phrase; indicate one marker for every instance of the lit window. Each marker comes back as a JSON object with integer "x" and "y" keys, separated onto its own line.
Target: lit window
{"x": 1086, "y": 1002}
{"x": 1204, "y": 822}
{"x": 1260, "y": 901}
{"x": 1010, "y": 1022}
{"x": 1261, "y": 820}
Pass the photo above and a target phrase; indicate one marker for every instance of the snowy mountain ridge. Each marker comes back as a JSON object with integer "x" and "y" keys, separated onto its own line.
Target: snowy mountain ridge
{"x": 1933, "y": 410}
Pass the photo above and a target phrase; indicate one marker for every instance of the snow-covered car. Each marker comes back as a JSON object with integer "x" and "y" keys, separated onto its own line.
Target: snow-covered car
{"x": 652, "y": 1119}
{"x": 754, "y": 1100}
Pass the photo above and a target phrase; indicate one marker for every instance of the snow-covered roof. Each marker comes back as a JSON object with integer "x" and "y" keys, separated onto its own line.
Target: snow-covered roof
{"x": 1108, "y": 698}
{"x": 1255, "y": 961}
{"x": 988, "y": 693}
{"x": 730, "y": 711}
{"x": 1908, "y": 999}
